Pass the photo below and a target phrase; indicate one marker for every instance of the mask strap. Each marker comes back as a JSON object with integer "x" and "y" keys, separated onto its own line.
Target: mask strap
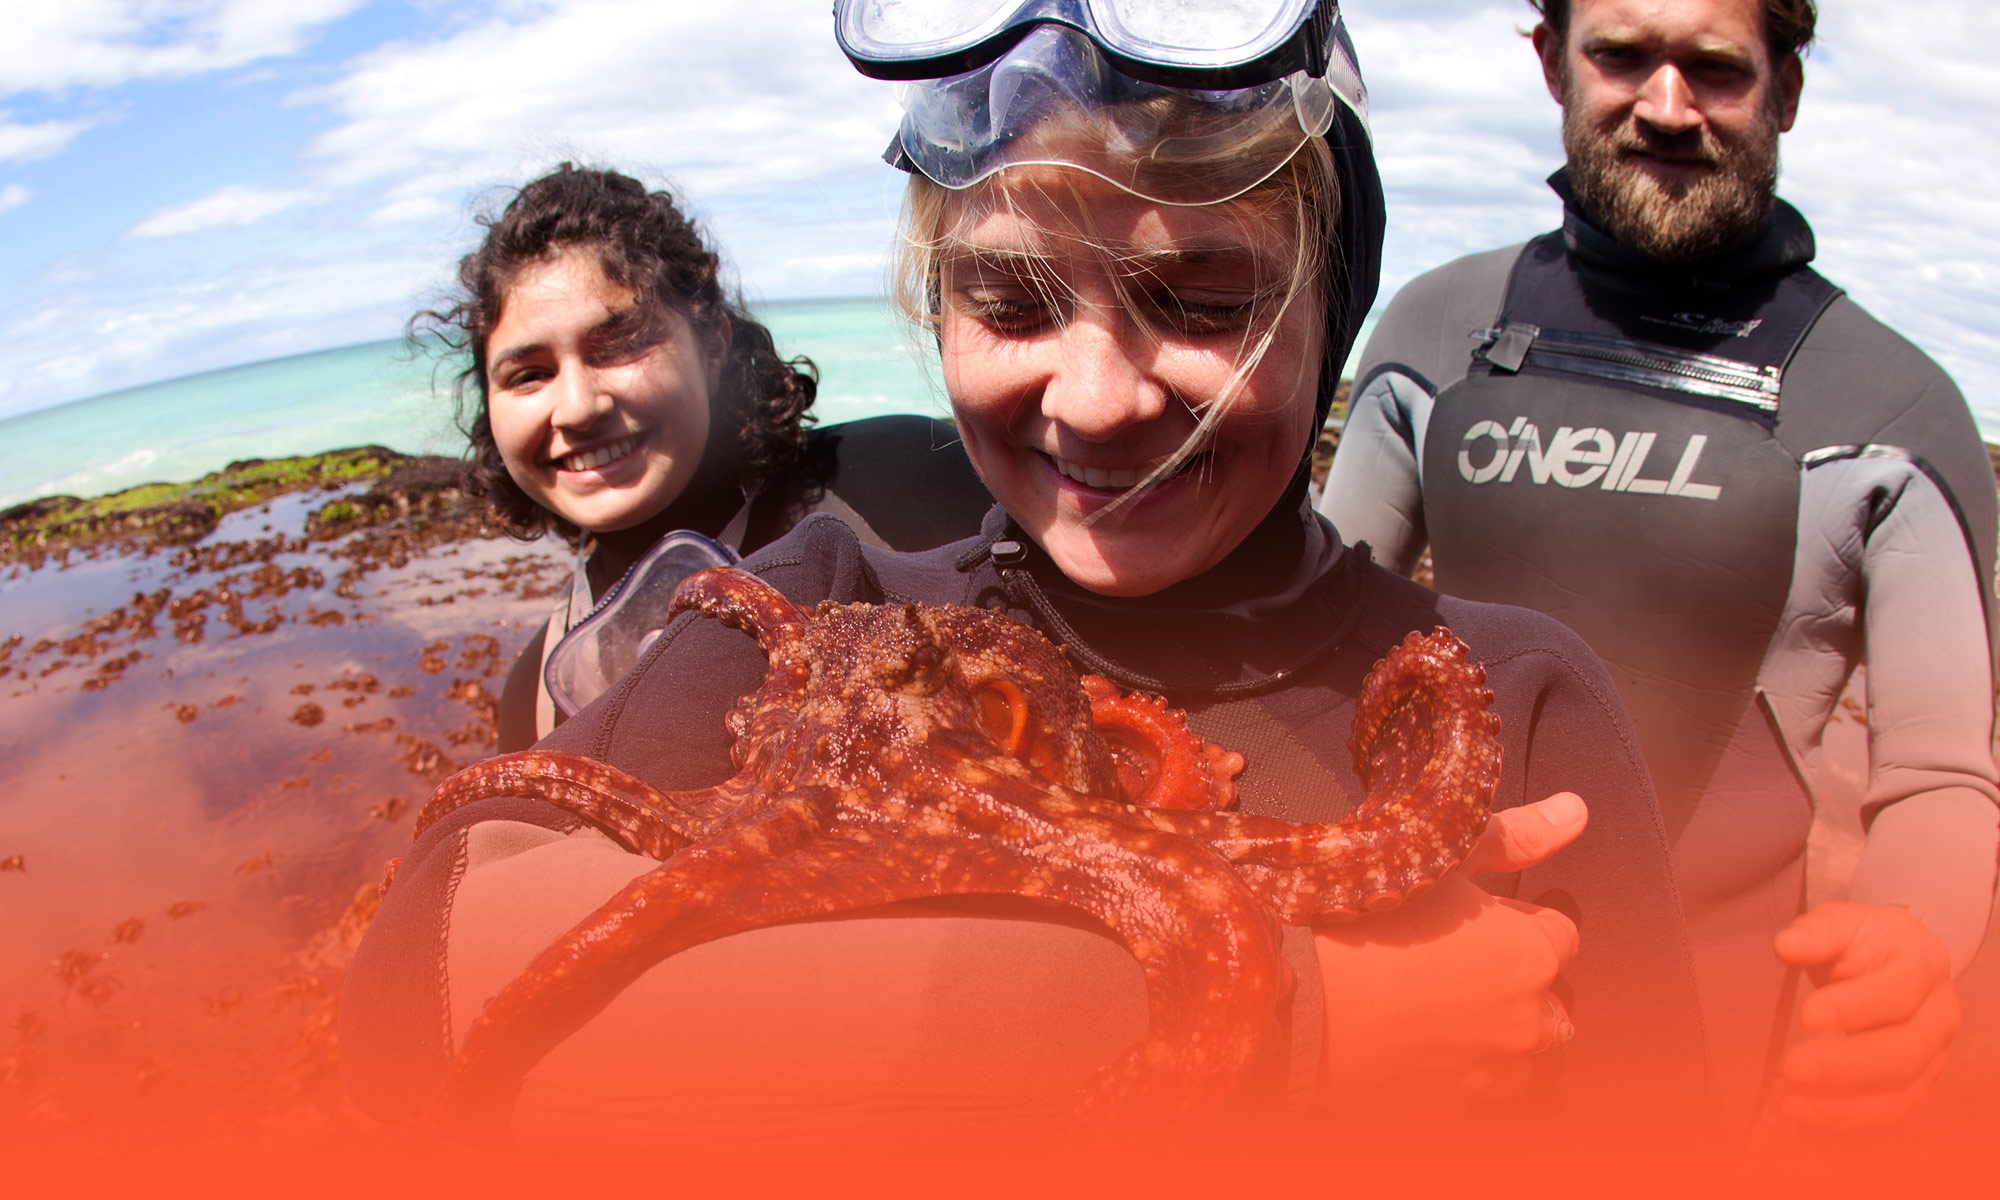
{"x": 731, "y": 534}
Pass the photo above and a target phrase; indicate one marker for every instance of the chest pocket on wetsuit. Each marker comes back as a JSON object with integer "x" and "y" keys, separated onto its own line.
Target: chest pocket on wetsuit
{"x": 1633, "y": 488}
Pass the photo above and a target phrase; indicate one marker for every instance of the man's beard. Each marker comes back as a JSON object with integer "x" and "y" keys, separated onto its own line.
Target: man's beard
{"x": 1675, "y": 223}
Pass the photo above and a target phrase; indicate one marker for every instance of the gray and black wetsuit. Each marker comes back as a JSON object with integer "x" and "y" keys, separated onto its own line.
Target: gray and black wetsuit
{"x": 1737, "y": 486}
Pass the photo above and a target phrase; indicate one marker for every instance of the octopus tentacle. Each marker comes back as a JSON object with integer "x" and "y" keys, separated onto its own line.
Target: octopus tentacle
{"x": 1206, "y": 943}
{"x": 704, "y": 892}
{"x": 637, "y": 815}
{"x": 1303, "y": 873}
{"x": 1223, "y": 948}
{"x": 1428, "y": 753}
{"x": 1425, "y": 687}
{"x": 743, "y": 601}
{"x": 1161, "y": 762}
{"x": 1325, "y": 872}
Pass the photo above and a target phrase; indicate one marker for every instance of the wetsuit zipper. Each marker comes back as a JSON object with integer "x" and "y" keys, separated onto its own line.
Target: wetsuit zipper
{"x": 1507, "y": 347}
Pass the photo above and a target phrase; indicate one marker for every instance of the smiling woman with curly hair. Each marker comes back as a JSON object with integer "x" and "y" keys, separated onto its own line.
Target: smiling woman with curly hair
{"x": 615, "y": 393}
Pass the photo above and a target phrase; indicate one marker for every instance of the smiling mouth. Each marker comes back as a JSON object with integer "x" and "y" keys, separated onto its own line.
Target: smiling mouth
{"x": 1116, "y": 481}
{"x": 587, "y": 460}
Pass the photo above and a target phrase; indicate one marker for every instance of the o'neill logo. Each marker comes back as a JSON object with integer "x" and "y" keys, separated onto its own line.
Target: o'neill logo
{"x": 1577, "y": 458}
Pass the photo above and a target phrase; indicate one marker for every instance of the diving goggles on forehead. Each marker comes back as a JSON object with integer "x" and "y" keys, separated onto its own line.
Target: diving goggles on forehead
{"x": 1216, "y": 44}
{"x": 1206, "y": 105}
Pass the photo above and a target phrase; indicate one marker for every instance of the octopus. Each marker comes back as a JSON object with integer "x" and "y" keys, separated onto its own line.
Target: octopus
{"x": 906, "y": 751}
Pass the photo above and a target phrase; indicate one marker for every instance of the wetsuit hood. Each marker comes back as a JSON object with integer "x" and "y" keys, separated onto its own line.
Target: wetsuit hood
{"x": 1355, "y": 258}
{"x": 1354, "y": 264}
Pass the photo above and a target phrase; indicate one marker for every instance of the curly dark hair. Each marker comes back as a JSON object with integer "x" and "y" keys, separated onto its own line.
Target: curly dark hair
{"x": 1788, "y": 24}
{"x": 645, "y": 243}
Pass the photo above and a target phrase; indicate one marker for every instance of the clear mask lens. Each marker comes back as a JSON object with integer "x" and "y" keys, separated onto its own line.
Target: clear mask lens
{"x": 627, "y": 620}
{"x": 1053, "y": 99}
{"x": 922, "y": 24}
{"x": 1191, "y": 35}
{"x": 1218, "y": 28}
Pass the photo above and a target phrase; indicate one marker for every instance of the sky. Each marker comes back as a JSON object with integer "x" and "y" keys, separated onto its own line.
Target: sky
{"x": 192, "y": 184}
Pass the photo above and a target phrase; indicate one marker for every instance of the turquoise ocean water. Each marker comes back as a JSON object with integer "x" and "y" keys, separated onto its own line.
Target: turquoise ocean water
{"x": 377, "y": 393}
{"x": 181, "y": 429}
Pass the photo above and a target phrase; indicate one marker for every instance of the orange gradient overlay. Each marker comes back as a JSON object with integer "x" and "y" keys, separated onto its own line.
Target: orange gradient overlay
{"x": 195, "y": 813}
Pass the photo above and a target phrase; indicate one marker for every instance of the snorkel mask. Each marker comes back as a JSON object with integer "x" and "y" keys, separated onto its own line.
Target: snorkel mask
{"x": 626, "y": 620}
{"x": 1177, "y": 103}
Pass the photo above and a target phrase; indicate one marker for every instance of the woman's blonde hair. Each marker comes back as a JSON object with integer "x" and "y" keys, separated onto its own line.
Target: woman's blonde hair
{"x": 1303, "y": 196}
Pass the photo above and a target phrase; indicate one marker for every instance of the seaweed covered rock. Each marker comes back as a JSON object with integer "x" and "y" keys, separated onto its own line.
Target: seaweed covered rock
{"x": 159, "y": 515}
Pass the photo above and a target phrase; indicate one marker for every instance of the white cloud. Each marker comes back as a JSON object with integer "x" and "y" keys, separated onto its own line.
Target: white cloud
{"x": 52, "y": 47}
{"x": 236, "y": 205}
{"x": 722, "y": 104}
{"x": 287, "y": 292}
{"x": 1465, "y": 133}
{"x": 1896, "y": 161}
{"x": 43, "y": 139}
{"x": 430, "y": 210}
{"x": 833, "y": 263}
{"x": 87, "y": 339}
{"x": 763, "y": 113}
{"x": 14, "y": 195}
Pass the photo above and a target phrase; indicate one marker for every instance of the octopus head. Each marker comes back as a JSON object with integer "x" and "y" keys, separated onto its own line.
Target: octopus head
{"x": 968, "y": 679}
{"x": 905, "y": 653}
{"x": 1024, "y": 697}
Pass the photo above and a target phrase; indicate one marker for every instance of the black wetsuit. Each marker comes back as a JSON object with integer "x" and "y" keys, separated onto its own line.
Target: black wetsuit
{"x": 996, "y": 1006}
{"x": 1737, "y": 486}
{"x": 902, "y": 483}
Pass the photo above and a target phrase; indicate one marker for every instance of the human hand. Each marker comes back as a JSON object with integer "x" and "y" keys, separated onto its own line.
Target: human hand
{"x": 1446, "y": 999}
{"x": 1880, "y": 1023}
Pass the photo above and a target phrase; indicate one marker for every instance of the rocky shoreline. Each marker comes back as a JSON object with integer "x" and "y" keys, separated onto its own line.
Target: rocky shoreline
{"x": 412, "y": 500}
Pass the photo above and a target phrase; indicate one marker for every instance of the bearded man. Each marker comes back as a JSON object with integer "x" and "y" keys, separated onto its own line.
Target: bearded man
{"x": 1670, "y": 432}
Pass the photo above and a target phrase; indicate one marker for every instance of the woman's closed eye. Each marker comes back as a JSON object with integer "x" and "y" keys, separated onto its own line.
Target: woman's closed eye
{"x": 1010, "y": 294}
{"x": 1019, "y": 312}
{"x": 1015, "y": 312}
{"x": 1198, "y": 315}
